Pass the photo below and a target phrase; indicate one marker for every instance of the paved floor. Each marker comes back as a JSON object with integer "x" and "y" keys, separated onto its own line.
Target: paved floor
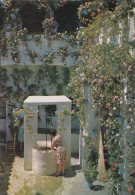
{"x": 15, "y": 181}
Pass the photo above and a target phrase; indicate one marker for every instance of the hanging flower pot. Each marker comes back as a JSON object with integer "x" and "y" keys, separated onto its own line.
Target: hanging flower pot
{"x": 16, "y": 10}
{"x": 94, "y": 133}
{"x": 12, "y": 15}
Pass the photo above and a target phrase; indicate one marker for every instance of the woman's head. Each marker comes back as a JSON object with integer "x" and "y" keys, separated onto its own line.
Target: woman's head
{"x": 52, "y": 132}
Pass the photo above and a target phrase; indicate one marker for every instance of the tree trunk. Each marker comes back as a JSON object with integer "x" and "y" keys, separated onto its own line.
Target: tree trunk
{"x": 101, "y": 164}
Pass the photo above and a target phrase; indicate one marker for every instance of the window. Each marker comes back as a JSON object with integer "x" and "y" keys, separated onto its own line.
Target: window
{"x": 32, "y": 18}
{"x": 1, "y": 19}
{"x": 2, "y": 109}
{"x": 67, "y": 17}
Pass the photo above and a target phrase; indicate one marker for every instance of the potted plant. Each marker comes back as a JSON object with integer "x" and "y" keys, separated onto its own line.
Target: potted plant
{"x": 91, "y": 157}
{"x": 90, "y": 174}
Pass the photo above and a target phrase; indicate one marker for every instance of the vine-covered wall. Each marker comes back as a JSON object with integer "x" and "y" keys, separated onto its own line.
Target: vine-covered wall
{"x": 19, "y": 82}
{"x": 29, "y": 61}
{"x": 106, "y": 65}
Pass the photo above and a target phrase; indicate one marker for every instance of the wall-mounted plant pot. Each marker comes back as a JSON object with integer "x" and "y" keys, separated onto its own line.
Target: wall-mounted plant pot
{"x": 131, "y": 14}
{"x": 95, "y": 116}
{"x": 94, "y": 133}
{"x": 86, "y": 84}
{"x": 86, "y": 101}
{"x": 90, "y": 184}
{"x": 120, "y": 119}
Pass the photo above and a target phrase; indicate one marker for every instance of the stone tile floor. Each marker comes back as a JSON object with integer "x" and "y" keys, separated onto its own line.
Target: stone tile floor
{"x": 15, "y": 181}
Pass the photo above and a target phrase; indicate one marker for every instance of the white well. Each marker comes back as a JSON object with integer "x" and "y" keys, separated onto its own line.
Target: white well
{"x": 43, "y": 161}
{"x": 35, "y": 158}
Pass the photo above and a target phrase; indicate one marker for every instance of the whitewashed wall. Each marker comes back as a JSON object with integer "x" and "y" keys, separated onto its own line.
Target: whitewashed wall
{"x": 45, "y": 48}
{"x": 2, "y": 124}
{"x": 75, "y": 143}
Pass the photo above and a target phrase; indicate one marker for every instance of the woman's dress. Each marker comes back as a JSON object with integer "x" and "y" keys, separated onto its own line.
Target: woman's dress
{"x": 60, "y": 150}
{"x": 21, "y": 133}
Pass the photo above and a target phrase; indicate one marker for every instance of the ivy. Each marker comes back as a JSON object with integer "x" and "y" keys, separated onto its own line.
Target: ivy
{"x": 32, "y": 55}
{"x": 25, "y": 75}
{"x": 4, "y": 49}
{"x": 48, "y": 58}
{"x": 66, "y": 75}
{"x": 3, "y": 78}
{"x": 104, "y": 66}
{"x": 63, "y": 53}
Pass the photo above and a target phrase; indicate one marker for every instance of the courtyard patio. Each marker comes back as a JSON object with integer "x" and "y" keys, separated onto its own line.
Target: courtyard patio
{"x": 15, "y": 181}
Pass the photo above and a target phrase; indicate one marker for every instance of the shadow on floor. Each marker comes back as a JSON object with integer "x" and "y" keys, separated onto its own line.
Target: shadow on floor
{"x": 6, "y": 161}
{"x": 75, "y": 155}
{"x": 72, "y": 171}
{"x": 97, "y": 187}
{"x": 37, "y": 193}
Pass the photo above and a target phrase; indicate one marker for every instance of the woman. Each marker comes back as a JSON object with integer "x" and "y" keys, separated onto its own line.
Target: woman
{"x": 60, "y": 152}
{"x": 21, "y": 132}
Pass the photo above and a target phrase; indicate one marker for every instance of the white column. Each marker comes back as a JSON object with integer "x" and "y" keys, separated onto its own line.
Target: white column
{"x": 30, "y": 139}
{"x": 9, "y": 136}
{"x": 65, "y": 134}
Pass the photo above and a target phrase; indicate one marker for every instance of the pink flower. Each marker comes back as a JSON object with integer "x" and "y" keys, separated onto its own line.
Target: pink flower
{"x": 101, "y": 95}
{"x": 101, "y": 4}
{"x": 116, "y": 98}
{"x": 95, "y": 70}
{"x": 129, "y": 190}
{"x": 100, "y": 80}
{"x": 103, "y": 178}
{"x": 113, "y": 169}
{"x": 98, "y": 15}
{"x": 133, "y": 172}
{"x": 2, "y": 43}
{"x": 111, "y": 33}
{"x": 94, "y": 81}
{"x": 126, "y": 147}
{"x": 105, "y": 160}
{"x": 130, "y": 109}
{"x": 122, "y": 157}
{"x": 93, "y": 13}
{"x": 129, "y": 68}
{"x": 108, "y": 104}
{"x": 115, "y": 164}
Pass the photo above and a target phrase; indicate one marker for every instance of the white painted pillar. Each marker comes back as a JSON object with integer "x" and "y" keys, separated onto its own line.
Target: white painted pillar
{"x": 91, "y": 123}
{"x": 9, "y": 136}
{"x": 30, "y": 139}
{"x": 81, "y": 147}
{"x": 65, "y": 134}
